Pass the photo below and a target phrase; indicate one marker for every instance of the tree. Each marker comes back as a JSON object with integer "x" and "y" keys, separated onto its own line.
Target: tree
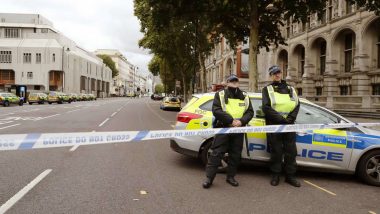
{"x": 159, "y": 88}
{"x": 109, "y": 63}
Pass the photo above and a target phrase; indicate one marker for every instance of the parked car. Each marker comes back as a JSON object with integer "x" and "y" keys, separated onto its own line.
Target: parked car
{"x": 6, "y": 99}
{"x": 58, "y": 97}
{"x": 74, "y": 97}
{"x": 39, "y": 98}
{"x": 347, "y": 150}
{"x": 157, "y": 97}
{"x": 170, "y": 103}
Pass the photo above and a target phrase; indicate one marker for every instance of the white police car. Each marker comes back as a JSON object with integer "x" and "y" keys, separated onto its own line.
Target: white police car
{"x": 348, "y": 150}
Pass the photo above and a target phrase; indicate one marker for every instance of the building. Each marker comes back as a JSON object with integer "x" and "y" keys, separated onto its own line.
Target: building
{"x": 34, "y": 56}
{"x": 123, "y": 83}
{"x": 333, "y": 61}
{"x": 222, "y": 62}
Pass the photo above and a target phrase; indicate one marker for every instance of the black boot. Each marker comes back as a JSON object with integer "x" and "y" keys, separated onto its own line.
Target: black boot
{"x": 232, "y": 181}
{"x": 292, "y": 181}
{"x": 207, "y": 183}
{"x": 275, "y": 180}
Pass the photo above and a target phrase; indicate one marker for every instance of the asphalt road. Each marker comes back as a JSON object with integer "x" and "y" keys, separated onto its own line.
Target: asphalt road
{"x": 147, "y": 177}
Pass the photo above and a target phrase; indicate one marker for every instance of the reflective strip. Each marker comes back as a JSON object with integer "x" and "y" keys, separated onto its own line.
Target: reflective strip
{"x": 271, "y": 95}
{"x": 222, "y": 100}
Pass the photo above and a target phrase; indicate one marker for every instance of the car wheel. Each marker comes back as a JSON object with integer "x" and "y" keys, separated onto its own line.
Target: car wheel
{"x": 6, "y": 103}
{"x": 60, "y": 102}
{"x": 49, "y": 103}
{"x": 369, "y": 168}
{"x": 206, "y": 152}
{"x": 21, "y": 103}
{"x": 30, "y": 103}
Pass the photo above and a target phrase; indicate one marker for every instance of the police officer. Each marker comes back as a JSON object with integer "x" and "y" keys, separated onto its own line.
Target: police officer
{"x": 281, "y": 105}
{"x": 231, "y": 108}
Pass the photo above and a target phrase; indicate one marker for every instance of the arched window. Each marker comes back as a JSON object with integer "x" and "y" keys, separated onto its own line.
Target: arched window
{"x": 322, "y": 57}
{"x": 349, "y": 51}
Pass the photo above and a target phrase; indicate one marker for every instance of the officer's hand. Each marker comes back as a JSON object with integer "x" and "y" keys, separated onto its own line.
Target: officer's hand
{"x": 236, "y": 123}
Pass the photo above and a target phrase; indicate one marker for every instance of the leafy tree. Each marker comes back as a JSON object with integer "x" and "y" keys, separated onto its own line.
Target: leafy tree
{"x": 159, "y": 88}
{"x": 109, "y": 63}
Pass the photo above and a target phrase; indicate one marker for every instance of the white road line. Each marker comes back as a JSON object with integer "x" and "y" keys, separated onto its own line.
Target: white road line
{"x": 371, "y": 212}
{"x": 172, "y": 126}
{"x": 113, "y": 114}
{"x": 50, "y": 116}
{"x": 73, "y": 110}
{"x": 74, "y": 148}
{"x": 12, "y": 201}
{"x": 5, "y": 127}
{"x": 100, "y": 125}
{"x": 318, "y": 187}
{"x": 159, "y": 116}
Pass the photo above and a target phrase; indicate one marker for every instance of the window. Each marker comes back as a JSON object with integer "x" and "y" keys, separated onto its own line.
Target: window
{"x": 319, "y": 91}
{"x": 349, "y": 47}
{"x": 207, "y": 106}
{"x": 323, "y": 16}
{"x": 376, "y": 89}
{"x": 348, "y": 7}
{"x": 378, "y": 52}
{"x": 12, "y": 33}
{"x": 330, "y": 8}
{"x": 53, "y": 57}
{"x": 313, "y": 115}
{"x": 345, "y": 90}
{"x": 27, "y": 58}
{"x": 38, "y": 58}
{"x": 29, "y": 75}
{"x": 322, "y": 57}
{"x": 5, "y": 56}
{"x": 37, "y": 87}
{"x": 299, "y": 91}
{"x": 301, "y": 63}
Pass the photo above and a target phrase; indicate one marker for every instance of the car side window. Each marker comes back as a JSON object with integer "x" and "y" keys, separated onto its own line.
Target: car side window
{"x": 207, "y": 106}
{"x": 312, "y": 115}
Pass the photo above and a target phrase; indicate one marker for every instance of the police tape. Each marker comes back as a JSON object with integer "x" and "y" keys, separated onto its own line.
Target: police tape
{"x": 51, "y": 140}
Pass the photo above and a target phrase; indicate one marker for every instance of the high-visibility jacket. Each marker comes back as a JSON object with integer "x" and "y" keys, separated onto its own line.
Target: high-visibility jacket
{"x": 235, "y": 107}
{"x": 283, "y": 103}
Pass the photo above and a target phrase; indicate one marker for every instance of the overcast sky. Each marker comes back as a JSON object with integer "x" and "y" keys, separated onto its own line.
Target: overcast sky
{"x": 92, "y": 24}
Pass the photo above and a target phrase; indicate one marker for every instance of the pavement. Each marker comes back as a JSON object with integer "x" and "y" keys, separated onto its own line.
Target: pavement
{"x": 147, "y": 177}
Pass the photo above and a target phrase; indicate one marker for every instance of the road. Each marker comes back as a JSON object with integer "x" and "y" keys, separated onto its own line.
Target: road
{"x": 147, "y": 177}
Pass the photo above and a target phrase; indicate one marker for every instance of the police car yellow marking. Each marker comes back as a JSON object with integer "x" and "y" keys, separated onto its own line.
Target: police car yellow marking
{"x": 330, "y": 137}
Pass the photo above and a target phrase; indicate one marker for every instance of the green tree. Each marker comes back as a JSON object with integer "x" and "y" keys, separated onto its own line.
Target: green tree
{"x": 159, "y": 88}
{"x": 109, "y": 63}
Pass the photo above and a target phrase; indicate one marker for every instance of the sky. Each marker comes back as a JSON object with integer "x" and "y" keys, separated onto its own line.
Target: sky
{"x": 92, "y": 24}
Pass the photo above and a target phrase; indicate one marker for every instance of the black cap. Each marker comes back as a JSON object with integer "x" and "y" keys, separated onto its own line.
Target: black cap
{"x": 274, "y": 69}
{"x": 232, "y": 78}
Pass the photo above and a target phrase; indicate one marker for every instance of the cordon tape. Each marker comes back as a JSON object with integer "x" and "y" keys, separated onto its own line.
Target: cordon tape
{"x": 51, "y": 140}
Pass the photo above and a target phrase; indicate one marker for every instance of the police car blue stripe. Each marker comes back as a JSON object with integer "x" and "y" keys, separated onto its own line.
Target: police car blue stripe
{"x": 29, "y": 141}
{"x": 140, "y": 135}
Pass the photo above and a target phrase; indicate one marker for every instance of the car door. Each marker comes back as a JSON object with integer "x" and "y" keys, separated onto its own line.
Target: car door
{"x": 324, "y": 148}
{"x": 257, "y": 142}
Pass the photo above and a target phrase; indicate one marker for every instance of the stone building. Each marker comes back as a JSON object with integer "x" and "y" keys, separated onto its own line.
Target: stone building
{"x": 333, "y": 61}
{"x": 34, "y": 56}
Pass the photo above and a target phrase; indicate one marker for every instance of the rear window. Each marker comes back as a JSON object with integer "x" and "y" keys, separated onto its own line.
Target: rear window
{"x": 174, "y": 99}
{"x": 193, "y": 100}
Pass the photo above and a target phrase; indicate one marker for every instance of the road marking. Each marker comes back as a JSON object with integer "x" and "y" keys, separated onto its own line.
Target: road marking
{"x": 172, "y": 126}
{"x": 73, "y": 110}
{"x": 74, "y": 148}
{"x": 50, "y": 116}
{"x": 371, "y": 212}
{"x": 10, "y": 126}
{"x": 318, "y": 187}
{"x": 12, "y": 201}
{"x": 113, "y": 114}
{"x": 100, "y": 125}
{"x": 156, "y": 113}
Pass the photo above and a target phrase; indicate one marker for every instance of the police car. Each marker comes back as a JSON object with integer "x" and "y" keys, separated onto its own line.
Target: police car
{"x": 348, "y": 150}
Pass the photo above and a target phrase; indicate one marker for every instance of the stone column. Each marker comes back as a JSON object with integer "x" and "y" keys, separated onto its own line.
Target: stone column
{"x": 360, "y": 80}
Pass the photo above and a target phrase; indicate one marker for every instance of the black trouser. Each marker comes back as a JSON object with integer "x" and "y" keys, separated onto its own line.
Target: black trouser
{"x": 231, "y": 143}
{"x": 283, "y": 147}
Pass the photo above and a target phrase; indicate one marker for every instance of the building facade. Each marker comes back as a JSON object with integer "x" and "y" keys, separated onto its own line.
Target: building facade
{"x": 333, "y": 61}
{"x": 123, "y": 83}
{"x": 36, "y": 57}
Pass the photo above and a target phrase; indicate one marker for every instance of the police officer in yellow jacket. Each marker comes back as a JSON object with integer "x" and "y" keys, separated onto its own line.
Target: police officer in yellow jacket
{"x": 280, "y": 104}
{"x": 231, "y": 108}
